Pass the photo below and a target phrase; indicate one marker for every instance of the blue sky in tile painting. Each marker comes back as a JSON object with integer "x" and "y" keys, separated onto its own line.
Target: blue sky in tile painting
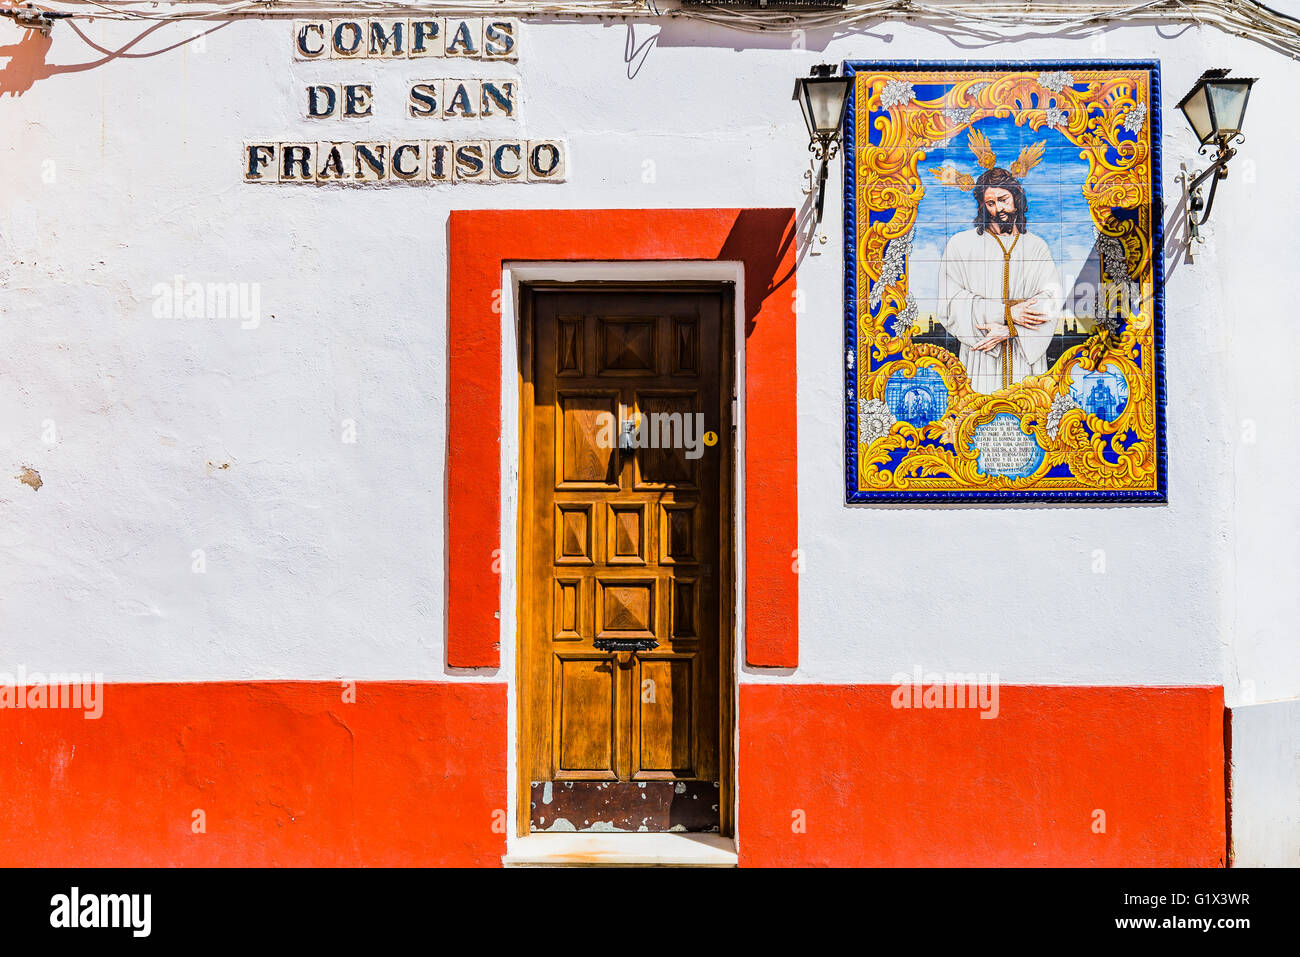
{"x": 1054, "y": 190}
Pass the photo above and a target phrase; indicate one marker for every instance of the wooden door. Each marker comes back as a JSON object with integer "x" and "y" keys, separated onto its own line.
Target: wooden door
{"x": 625, "y": 624}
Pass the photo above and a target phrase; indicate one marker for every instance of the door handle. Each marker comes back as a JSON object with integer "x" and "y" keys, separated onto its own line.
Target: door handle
{"x": 626, "y": 441}
{"x": 625, "y": 649}
{"x": 625, "y": 644}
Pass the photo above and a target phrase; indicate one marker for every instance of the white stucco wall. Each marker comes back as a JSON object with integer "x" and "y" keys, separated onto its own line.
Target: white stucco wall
{"x": 326, "y": 559}
{"x": 1266, "y": 785}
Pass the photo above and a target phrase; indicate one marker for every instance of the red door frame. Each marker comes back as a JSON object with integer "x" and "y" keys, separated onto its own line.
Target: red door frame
{"x": 480, "y": 242}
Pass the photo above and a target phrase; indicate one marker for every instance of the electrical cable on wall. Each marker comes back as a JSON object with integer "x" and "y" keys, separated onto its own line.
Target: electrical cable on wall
{"x": 1248, "y": 19}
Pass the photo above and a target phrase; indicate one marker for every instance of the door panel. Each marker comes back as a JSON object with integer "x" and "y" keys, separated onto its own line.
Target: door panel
{"x": 624, "y": 633}
{"x": 586, "y": 716}
{"x": 664, "y": 463}
{"x": 584, "y": 461}
{"x": 664, "y": 729}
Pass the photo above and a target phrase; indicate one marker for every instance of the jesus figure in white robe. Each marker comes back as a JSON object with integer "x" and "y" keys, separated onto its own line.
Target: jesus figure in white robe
{"x": 999, "y": 291}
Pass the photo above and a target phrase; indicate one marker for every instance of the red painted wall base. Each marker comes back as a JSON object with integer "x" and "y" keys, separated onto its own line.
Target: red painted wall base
{"x": 415, "y": 774}
{"x": 286, "y": 774}
{"x": 873, "y": 785}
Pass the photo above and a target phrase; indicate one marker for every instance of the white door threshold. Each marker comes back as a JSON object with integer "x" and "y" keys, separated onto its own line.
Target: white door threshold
{"x": 631, "y": 849}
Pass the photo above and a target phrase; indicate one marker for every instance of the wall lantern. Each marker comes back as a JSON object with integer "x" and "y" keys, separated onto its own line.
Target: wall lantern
{"x": 1215, "y": 108}
{"x": 823, "y": 97}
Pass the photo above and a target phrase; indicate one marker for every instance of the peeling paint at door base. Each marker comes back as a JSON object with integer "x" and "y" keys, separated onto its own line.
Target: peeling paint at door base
{"x": 625, "y": 806}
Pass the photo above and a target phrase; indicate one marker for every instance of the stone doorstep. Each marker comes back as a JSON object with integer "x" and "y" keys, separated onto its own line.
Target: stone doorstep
{"x": 586, "y": 849}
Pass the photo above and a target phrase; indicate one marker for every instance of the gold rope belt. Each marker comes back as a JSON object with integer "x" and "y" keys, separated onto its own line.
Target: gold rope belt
{"x": 1006, "y": 308}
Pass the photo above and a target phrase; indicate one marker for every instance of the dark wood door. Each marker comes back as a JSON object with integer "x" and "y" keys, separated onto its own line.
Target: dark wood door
{"x": 628, "y": 433}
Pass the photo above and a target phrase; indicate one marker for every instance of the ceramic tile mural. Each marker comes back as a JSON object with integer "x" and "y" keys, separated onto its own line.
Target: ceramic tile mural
{"x": 1003, "y": 280}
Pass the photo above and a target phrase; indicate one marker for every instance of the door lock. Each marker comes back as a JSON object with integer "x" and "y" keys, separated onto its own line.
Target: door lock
{"x": 626, "y": 435}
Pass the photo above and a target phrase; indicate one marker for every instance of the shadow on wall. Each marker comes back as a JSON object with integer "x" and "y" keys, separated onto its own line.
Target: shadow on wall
{"x": 761, "y": 238}
{"x": 26, "y": 63}
{"x": 1178, "y": 240}
{"x": 961, "y": 34}
{"x": 27, "y": 58}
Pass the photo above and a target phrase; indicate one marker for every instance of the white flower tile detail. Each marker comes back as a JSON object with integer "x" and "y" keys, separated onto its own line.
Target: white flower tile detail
{"x": 1056, "y": 81}
{"x": 904, "y": 320}
{"x": 1113, "y": 260}
{"x": 1136, "y": 118}
{"x": 892, "y": 269}
{"x": 896, "y": 93}
{"x": 874, "y": 420}
{"x": 1060, "y": 405}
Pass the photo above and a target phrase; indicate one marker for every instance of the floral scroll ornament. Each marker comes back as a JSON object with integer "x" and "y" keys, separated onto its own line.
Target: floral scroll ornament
{"x": 1060, "y": 405}
{"x": 1113, "y": 260}
{"x": 1056, "y": 81}
{"x": 1107, "y": 324}
{"x": 1135, "y": 118}
{"x": 906, "y": 318}
{"x": 874, "y": 420}
{"x": 894, "y": 266}
{"x": 896, "y": 93}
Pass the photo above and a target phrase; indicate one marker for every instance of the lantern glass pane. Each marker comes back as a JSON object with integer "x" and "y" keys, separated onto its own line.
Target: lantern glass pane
{"x": 846, "y": 84}
{"x": 1228, "y": 99}
{"x": 801, "y": 94}
{"x": 826, "y": 103}
{"x": 1197, "y": 111}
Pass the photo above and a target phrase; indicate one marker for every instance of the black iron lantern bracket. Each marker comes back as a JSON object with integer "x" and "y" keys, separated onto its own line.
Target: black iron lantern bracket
{"x": 1218, "y": 170}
